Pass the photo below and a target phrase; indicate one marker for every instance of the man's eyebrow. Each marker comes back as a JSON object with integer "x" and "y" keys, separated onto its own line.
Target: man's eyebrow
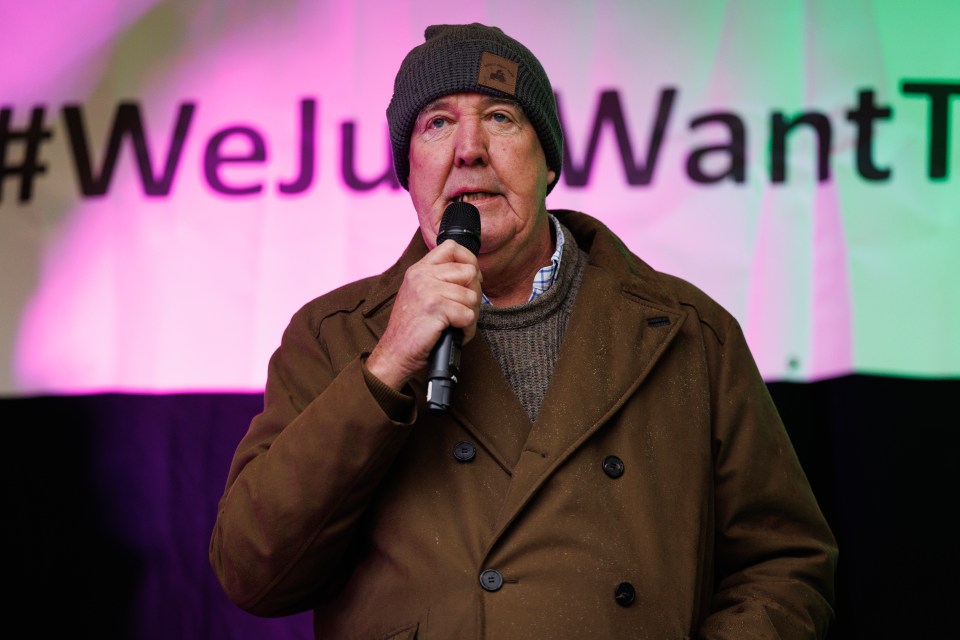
{"x": 507, "y": 101}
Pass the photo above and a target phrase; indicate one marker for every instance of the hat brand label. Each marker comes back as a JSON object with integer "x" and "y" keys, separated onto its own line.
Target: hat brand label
{"x": 498, "y": 73}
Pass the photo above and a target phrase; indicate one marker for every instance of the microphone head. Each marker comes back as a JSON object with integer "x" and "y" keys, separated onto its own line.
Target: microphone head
{"x": 461, "y": 222}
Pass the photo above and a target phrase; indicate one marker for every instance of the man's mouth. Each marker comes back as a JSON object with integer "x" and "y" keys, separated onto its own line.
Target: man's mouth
{"x": 472, "y": 196}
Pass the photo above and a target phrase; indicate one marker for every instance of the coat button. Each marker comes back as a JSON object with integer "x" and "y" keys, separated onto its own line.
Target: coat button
{"x": 625, "y": 594}
{"x": 491, "y": 580}
{"x": 613, "y": 466}
{"x": 464, "y": 451}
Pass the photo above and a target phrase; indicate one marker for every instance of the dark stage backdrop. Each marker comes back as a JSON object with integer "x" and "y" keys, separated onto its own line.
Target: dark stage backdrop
{"x": 111, "y": 500}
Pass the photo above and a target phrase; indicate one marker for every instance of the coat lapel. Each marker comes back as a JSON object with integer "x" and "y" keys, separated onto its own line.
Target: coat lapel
{"x": 617, "y": 332}
{"x": 488, "y": 407}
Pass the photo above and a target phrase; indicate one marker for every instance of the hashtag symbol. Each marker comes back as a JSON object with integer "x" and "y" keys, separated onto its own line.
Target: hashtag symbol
{"x": 30, "y": 139}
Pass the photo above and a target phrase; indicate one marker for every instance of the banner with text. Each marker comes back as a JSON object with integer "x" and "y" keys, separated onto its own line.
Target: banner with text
{"x": 178, "y": 177}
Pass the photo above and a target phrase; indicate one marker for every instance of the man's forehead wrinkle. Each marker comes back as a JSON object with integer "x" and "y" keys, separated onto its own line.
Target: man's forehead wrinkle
{"x": 444, "y": 102}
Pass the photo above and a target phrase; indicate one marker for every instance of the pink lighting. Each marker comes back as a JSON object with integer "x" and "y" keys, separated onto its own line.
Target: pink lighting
{"x": 173, "y": 264}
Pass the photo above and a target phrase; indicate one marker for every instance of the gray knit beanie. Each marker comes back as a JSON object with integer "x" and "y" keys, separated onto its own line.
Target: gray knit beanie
{"x": 476, "y": 58}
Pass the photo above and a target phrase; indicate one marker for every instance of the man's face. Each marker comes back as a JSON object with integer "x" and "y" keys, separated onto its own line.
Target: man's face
{"x": 485, "y": 150}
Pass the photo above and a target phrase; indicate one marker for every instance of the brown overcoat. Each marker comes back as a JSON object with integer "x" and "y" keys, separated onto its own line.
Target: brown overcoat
{"x": 656, "y": 496}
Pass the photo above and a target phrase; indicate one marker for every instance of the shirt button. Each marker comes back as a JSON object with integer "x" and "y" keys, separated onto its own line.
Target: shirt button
{"x": 464, "y": 451}
{"x": 625, "y": 594}
{"x": 613, "y": 466}
{"x": 491, "y": 580}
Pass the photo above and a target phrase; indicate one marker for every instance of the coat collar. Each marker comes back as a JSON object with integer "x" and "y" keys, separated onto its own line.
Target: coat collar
{"x": 607, "y": 252}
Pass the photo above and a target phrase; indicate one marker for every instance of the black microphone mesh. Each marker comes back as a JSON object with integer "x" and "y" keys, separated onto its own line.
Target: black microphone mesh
{"x": 461, "y": 223}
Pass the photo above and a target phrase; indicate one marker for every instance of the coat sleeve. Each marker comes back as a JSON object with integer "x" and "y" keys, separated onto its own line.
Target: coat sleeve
{"x": 776, "y": 556}
{"x": 301, "y": 478}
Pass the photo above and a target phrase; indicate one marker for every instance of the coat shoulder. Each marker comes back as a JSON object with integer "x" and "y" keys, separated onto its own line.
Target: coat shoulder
{"x": 349, "y": 298}
{"x": 608, "y": 251}
{"x": 365, "y": 296}
{"x": 705, "y": 308}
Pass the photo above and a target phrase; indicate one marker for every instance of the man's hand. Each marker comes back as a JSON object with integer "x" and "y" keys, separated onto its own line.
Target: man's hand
{"x": 441, "y": 290}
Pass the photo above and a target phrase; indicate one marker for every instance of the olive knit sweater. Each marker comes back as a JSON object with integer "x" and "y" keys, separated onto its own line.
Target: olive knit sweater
{"x": 525, "y": 338}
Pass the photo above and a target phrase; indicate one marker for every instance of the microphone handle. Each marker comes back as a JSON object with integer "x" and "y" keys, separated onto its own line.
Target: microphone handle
{"x": 443, "y": 369}
{"x": 460, "y": 223}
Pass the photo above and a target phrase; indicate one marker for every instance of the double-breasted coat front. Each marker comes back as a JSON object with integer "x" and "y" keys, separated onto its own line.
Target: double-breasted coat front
{"x": 657, "y": 495}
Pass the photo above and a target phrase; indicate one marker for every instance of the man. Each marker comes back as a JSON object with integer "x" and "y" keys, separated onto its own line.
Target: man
{"x": 612, "y": 465}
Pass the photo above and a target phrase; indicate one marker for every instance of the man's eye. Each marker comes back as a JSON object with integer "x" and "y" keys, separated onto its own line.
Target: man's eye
{"x": 501, "y": 118}
{"x": 436, "y": 123}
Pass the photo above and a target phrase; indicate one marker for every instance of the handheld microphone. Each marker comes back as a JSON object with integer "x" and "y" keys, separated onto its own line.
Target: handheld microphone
{"x": 460, "y": 222}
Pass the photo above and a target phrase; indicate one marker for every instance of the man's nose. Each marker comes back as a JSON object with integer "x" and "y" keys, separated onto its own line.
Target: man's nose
{"x": 471, "y": 143}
